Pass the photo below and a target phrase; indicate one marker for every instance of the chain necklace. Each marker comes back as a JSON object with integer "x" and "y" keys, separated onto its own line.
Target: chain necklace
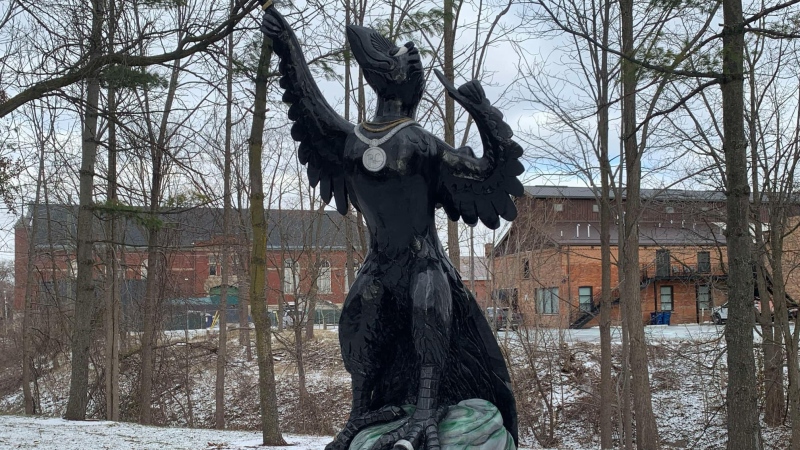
{"x": 374, "y": 158}
{"x": 385, "y": 125}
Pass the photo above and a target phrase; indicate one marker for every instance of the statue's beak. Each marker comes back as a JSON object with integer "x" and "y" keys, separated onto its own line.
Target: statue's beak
{"x": 368, "y": 49}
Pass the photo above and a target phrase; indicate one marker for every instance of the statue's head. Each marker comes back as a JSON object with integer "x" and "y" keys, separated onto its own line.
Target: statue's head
{"x": 395, "y": 73}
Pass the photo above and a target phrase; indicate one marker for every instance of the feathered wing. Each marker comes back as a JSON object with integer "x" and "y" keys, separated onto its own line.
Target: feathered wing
{"x": 320, "y": 131}
{"x": 480, "y": 188}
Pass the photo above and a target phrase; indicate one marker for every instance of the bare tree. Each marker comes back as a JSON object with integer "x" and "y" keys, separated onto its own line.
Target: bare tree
{"x": 758, "y": 118}
{"x": 268, "y": 403}
{"x": 155, "y": 256}
{"x": 113, "y": 252}
{"x": 586, "y": 152}
{"x": 448, "y": 41}
{"x": 646, "y": 429}
{"x": 85, "y": 295}
{"x": 75, "y": 67}
{"x": 30, "y": 288}
{"x": 222, "y": 353}
{"x": 772, "y": 121}
{"x": 743, "y": 426}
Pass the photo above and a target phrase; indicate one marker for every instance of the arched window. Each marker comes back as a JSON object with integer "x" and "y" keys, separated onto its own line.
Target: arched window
{"x": 291, "y": 276}
{"x": 324, "y": 278}
{"x": 143, "y": 269}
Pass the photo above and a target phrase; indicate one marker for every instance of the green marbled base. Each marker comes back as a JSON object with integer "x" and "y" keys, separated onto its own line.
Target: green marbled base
{"x": 473, "y": 424}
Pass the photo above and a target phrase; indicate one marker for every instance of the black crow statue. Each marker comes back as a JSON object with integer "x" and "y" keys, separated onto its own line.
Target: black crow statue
{"x": 410, "y": 332}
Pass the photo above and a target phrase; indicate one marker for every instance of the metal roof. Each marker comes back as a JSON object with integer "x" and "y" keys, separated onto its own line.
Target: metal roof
{"x": 650, "y": 194}
{"x": 289, "y": 229}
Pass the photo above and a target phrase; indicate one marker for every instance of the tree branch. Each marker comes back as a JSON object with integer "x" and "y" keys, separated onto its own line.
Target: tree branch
{"x": 81, "y": 71}
{"x": 767, "y": 11}
{"x": 646, "y": 65}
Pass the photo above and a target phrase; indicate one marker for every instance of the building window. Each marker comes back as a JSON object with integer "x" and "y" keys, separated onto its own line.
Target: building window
{"x": 324, "y": 278}
{"x": 662, "y": 263}
{"x": 212, "y": 265}
{"x": 526, "y": 269}
{"x": 73, "y": 268}
{"x": 704, "y": 262}
{"x": 347, "y": 282}
{"x": 558, "y": 207}
{"x": 666, "y": 298}
{"x": 585, "y": 298}
{"x": 595, "y": 208}
{"x": 291, "y": 276}
{"x": 669, "y": 210}
{"x": 704, "y": 297}
{"x": 547, "y": 300}
{"x": 143, "y": 269}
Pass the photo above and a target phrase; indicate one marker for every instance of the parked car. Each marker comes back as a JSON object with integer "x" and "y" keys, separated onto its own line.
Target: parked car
{"x": 719, "y": 314}
{"x": 503, "y": 318}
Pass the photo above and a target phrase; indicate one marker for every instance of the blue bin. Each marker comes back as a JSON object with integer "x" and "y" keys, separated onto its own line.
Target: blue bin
{"x": 665, "y": 317}
{"x": 653, "y": 318}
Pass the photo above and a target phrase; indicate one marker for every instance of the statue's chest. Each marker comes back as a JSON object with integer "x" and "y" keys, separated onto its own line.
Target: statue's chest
{"x": 405, "y": 153}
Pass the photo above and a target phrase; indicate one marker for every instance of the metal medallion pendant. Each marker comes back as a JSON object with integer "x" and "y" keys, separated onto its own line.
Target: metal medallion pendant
{"x": 374, "y": 159}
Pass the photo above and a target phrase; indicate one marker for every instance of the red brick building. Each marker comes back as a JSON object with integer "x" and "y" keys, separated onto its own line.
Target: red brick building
{"x": 548, "y": 262}
{"x": 306, "y": 254}
{"x": 479, "y": 284}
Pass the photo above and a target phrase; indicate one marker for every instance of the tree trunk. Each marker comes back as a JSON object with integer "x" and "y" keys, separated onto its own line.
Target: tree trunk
{"x": 348, "y": 220}
{"x": 30, "y": 288}
{"x": 156, "y": 263}
{"x": 112, "y": 307}
{"x": 794, "y": 392}
{"x": 453, "y": 246}
{"x": 774, "y": 397}
{"x": 268, "y": 399}
{"x": 244, "y": 311}
{"x": 777, "y": 232}
{"x": 646, "y": 430}
{"x": 606, "y": 393}
{"x": 774, "y": 377}
{"x": 741, "y": 400}
{"x": 222, "y": 352}
{"x": 149, "y": 327}
{"x": 625, "y": 398}
{"x": 243, "y": 289}
{"x": 85, "y": 296}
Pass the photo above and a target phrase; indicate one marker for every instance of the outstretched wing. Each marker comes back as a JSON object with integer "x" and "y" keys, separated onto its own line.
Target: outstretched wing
{"x": 319, "y": 129}
{"x": 480, "y": 188}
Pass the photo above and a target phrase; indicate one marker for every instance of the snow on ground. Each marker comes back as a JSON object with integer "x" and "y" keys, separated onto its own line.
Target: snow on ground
{"x": 687, "y": 370}
{"x": 686, "y": 332}
{"x": 57, "y": 434}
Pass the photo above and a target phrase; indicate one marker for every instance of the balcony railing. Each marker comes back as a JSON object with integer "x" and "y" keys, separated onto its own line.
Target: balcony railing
{"x": 660, "y": 271}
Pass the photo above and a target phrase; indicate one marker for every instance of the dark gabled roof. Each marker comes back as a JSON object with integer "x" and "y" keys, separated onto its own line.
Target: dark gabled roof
{"x": 290, "y": 229}
{"x": 648, "y": 194}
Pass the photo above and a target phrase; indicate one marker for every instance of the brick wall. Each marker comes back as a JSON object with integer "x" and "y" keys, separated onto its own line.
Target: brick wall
{"x": 570, "y": 268}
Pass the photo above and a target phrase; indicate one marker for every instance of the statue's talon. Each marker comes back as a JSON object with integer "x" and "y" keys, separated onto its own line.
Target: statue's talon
{"x": 358, "y": 423}
{"x": 414, "y": 433}
{"x": 388, "y": 441}
{"x": 403, "y": 444}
